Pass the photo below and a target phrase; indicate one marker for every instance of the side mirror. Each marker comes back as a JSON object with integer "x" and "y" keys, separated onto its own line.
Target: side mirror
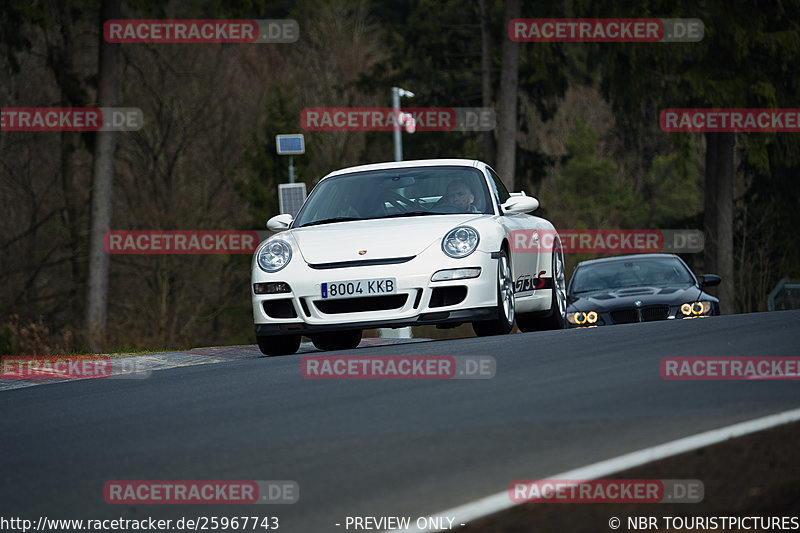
{"x": 710, "y": 280}
{"x": 280, "y": 222}
{"x": 520, "y": 204}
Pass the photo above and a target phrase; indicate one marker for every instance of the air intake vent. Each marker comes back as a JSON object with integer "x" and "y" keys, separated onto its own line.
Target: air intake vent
{"x": 657, "y": 312}
{"x": 279, "y": 308}
{"x": 444, "y": 296}
{"x": 624, "y": 316}
{"x": 360, "y": 305}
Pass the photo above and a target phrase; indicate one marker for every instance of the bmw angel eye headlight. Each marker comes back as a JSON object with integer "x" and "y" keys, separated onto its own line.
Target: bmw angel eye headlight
{"x": 274, "y": 255}
{"x": 692, "y": 309}
{"x": 460, "y": 242}
{"x": 583, "y": 318}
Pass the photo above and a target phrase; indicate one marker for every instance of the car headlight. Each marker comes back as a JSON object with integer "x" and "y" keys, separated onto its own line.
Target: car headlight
{"x": 583, "y": 318}
{"x": 460, "y": 242}
{"x": 274, "y": 255}
{"x": 692, "y": 309}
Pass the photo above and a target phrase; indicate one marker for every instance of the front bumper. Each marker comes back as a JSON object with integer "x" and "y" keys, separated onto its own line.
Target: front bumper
{"x": 417, "y": 301}
{"x": 633, "y": 315}
{"x": 433, "y": 318}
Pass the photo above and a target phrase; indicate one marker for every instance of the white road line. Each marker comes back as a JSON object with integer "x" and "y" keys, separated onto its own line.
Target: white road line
{"x": 497, "y": 502}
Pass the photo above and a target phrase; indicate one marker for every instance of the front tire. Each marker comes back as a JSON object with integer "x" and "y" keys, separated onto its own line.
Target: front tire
{"x": 278, "y": 344}
{"x": 505, "y": 302}
{"x": 340, "y": 340}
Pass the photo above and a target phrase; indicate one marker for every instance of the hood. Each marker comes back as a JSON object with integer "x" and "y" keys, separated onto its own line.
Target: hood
{"x": 381, "y": 238}
{"x": 624, "y": 298}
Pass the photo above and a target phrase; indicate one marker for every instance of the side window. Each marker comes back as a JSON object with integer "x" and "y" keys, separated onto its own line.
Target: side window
{"x": 500, "y": 191}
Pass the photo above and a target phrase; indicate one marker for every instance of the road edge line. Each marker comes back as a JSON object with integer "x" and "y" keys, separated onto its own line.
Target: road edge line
{"x": 499, "y": 502}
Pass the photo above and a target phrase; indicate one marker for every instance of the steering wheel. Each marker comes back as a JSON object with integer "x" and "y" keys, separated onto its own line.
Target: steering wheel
{"x": 404, "y": 204}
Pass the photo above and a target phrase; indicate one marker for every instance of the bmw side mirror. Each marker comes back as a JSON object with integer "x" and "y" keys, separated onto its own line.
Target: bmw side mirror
{"x": 710, "y": 280}
{"x": 280, "y": 222}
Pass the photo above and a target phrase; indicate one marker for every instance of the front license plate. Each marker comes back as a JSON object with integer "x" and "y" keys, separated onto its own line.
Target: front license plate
{"x": 358, "y": 287}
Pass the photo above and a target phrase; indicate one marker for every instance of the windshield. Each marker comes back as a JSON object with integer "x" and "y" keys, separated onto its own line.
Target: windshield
{"x": 416, "y": 191}
{"x": 650, "y": 272}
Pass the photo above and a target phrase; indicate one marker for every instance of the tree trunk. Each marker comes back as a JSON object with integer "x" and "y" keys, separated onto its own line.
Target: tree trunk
{"x": 710, "y": 205}
{"x": 725, "y": 172}
{"x": 487, "y": 137}
{"x": 507, "y": 119}
{"x": 61, "y": 58}
{"x": 718, "y": 216}
{"x": 102, "y": 188}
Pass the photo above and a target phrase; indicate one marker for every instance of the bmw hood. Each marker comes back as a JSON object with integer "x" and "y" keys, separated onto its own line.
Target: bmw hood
{"x": 378, "y": 239}
{"x": 626, "y": 298}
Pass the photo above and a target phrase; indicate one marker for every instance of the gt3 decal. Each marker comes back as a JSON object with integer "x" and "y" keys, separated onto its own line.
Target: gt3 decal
{"x": 526, "y": 282}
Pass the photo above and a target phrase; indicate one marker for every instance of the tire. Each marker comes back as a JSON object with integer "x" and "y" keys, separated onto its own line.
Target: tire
{"x": 340, "y": 340}
{"x": 278, "y": 344}
{"x": 505, "y": 303}
{"x": 556, "y": 316}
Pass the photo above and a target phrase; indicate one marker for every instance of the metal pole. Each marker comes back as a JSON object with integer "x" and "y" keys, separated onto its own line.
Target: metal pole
{"x": 398, "y": 139}
{"x": 291, "y": 169}
{"x": 399, "y": 333}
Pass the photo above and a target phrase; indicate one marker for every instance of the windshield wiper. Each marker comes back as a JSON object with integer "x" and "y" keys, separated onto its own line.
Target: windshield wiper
{"x": 349, "y": 219}
{"x": 330, "y": 221}
{"x": 411, "y": 214}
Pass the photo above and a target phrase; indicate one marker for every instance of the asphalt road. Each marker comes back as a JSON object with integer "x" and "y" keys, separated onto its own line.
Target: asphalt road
{"x": 559, "y": 400}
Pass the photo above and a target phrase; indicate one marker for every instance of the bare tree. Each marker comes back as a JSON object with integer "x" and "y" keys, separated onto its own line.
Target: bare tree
{"x": 487, "y": 137}
{"x": 43, "y": 183}
{"x": 63, "y": 56}
{"x": 102, "y": 187}
{"x": 719, "y": 213}
{"x": 507, "y": 121}
{"x": 173, "y": 175}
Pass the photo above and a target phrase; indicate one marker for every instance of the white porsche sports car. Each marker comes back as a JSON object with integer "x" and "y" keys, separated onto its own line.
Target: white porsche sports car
{"x": 404, "y": 244}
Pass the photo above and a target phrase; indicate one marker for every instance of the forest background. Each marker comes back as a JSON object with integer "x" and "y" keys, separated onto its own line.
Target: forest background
{"x": 582, "y": 135}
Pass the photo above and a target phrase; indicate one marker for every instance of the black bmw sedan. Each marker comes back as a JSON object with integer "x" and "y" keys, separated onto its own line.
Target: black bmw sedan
{"x": 637, "y": 288}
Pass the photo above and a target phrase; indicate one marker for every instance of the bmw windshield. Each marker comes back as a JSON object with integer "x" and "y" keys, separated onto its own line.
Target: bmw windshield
{"x": 651, "y": 272}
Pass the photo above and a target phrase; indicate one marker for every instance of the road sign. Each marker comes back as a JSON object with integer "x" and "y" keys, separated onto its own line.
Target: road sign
{"x": 293, "y": 144}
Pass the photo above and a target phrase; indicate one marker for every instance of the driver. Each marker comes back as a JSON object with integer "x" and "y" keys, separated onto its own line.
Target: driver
{"x": 660, "y": 277}
{"x": 460, "y": 195}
